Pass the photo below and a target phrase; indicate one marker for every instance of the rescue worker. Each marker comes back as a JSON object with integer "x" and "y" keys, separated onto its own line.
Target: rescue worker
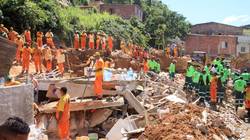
{"x": 103, "y": 41}
{"x": 99, "y": 65}
{"x": 76, "y": 40}
{"x": 26, "y": 54}
{"x": 145, "y": 65}
{"x": 98, "y": 41}
{"x": 247, "y": 101}
{"x": 110, "y": 42}
{"x": 49, "y": 39}
{"x": 245, "y": 75}
{"x": 48, "y": 58}
{"x": 91, "y": 41}
{"x": 27, "y": 36}
{"x": 221, "y": 88}
{"x": 20, "y": 44}
{"x": 83, "y": 40}
{"x": 12, "y": 35}
{"x": 37, "y": 57}
{"x": 203, "y": 82}
{"x": 157, "y": 66}
{"x": 150, "y": 64}
{"x": 189, "y": 75}
{"x": 172, "y": 70}
{"x": 195, "y": 79}
{"x": 168, "y": 52}
{"x": 239, "y": 87}
{"x": 175, "y": 51}
{"x": 60, "y": 57}
{"x": 14, "y": 128}
{"x": 213, "y": 91}
{"x": 63, "y": 115}
{"x": 39, "y": 39}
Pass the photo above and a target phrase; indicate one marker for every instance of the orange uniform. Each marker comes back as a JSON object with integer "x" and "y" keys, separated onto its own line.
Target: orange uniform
{"x": 26, "y": 58}
{"x": 168, "y": 52}
{"x": 98, "y": 42}
{"x": 110, "y": 43}
{"x": 48, "y": 59}
{"x": 145, "y": 66}
{"x": 103, "y": 43}
{"x": 49, "y": 39}
{"x": 19, "y": 43}
{"x": 39, "y": 39}
{"x": 175, "y": 52}
{"x": 37, "y": 56}
{"x": 27, "y": 36}
{"x": 213, "y": 89}
{"x": 247, "y": 98}
{"x": 76, "y": 41}
{"x": 91, "y": 41}
{"x": 83, "y": 40}
{"x": 60, "y": 60}
{"x": 63, "y": 106}
{"x": 13, "y": 36}
{"x": 98, "y": 77}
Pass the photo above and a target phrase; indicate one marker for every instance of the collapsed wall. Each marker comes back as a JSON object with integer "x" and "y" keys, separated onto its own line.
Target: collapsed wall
{"x": 17, "y": 101}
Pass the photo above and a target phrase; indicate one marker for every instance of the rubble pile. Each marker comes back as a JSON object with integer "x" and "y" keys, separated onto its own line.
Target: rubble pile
{"x": 188, "y": 121}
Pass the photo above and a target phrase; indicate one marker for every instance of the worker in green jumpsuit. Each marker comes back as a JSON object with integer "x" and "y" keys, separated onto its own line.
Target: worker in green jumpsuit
{"x": 172, "y": 70}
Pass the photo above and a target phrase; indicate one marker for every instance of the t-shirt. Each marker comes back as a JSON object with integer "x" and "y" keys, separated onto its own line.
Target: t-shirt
{"x": 61, "y": 103}
{"x": 151, "y": 64}
{"x": 190, "y": 71}
{"x": 240, "y": 85}
{"x": 172, "y": 68}
{"x": 196, "y": 77}
{"x": 245, "y": 76}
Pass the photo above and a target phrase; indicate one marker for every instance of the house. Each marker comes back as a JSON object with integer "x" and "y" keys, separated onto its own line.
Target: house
{"x": 243, "y": 45}
{"x": 214, "y": 45}
{"x": 213, "y": 28}
{"x": 214, "y": 38}
{"x": 126, "y": 11}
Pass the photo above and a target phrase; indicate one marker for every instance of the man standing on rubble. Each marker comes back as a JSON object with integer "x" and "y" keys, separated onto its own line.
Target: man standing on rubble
{"x": 172, "y": 70}
{"x": 26, "y": 54}
{"x": 213, "y": 91}
{"x": 99, "y": 65}
{"x": 189, "y": 74}
{"x": 247, "y": 101}
{"x": 63, "y": 115}
{"x": 239, "y": 87}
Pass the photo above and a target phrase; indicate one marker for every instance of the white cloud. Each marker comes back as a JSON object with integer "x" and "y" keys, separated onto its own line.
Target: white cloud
{"x": 237, "y": 19}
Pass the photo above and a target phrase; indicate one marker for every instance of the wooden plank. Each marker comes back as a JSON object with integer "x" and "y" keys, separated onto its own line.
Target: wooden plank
{"x": 83, "y": 105}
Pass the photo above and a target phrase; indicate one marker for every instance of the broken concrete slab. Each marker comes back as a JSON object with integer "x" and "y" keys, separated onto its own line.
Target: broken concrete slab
{"x": 99, "y": 116}
{"x": 132, "y": 100}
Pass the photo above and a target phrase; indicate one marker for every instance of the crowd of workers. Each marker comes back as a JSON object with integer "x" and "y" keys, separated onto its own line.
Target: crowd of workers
{"x": 211, "y": 83}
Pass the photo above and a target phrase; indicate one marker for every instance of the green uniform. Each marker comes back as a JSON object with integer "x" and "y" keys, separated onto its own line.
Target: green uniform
{"x": 196, "y": 77}
{"x": 150, "y": 64}
{"x": 245, "y": 76}
{"x": 239, "y": 85}
{"x": 157, "y": 67}
{"x": 190, "y": 71}
{"x": 206, "y": 69}
{"x": 172, "y": 68}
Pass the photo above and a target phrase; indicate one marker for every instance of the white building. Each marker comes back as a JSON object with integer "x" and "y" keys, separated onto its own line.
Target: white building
{"x": 243, "y": 45}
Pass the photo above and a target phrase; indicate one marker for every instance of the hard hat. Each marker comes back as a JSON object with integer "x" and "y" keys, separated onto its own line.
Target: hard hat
{"x": 139, "y": 87}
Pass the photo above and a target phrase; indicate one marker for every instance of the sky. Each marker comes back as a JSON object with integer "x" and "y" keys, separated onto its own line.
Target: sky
{"x": 232, "y": 12}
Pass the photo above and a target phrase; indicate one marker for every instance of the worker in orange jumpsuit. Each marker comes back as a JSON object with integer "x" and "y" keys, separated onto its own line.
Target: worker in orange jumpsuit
{"x": 83, "y": 40}
{"x": 39, "y": 39}
{"x": 63, "y": 115}
{"x": 12, "y": 34}
{"x": 175, "y": 51}
{"x": 99, "y": 65}
{"x": 168, "y": 52}
{"x": 26, "y": 52}
{"x": 104, "y": 41}
{"x": 49, "y": 39}
{"x": 60, "y": 57}
{"x": 213, "y": 91}
{"x": 247, "y": 101}
{"x": 76, "y": 40}
{"x": 145, "y": 65}
{"x": 27, "y": 36}
{"x": 91, "y": 41}
{"x": 48, "y": 58}
{"x": 110, "y": 42}
{"x": 20, "y": 44}
{"x": 37, "y": 57}
{"x": 98, "y": 41}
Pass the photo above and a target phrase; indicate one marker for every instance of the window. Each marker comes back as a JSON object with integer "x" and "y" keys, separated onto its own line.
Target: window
{"x": 243, "y": 49}
{"x": 224, "y": 45}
